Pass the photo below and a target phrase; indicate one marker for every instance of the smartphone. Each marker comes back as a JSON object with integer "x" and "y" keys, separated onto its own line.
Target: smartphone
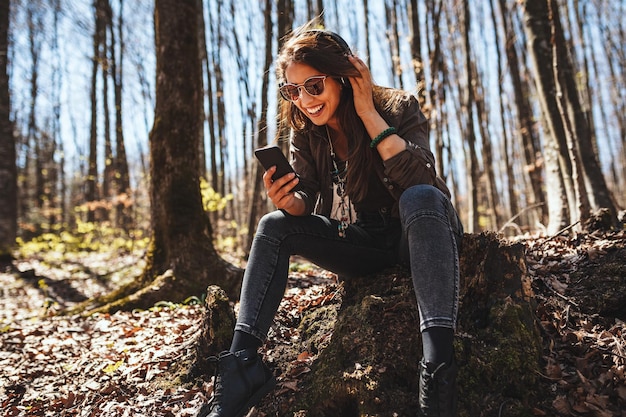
{"x": 271, "y": 155}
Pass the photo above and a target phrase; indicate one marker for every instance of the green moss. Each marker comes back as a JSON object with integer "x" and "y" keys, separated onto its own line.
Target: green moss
{"x": 316, "y": 327}
{"x": 370, "y": 365}
{"x": 502, "y": 363}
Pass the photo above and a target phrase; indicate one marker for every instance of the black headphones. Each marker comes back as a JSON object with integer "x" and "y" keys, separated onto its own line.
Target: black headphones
{"x": 339, "y": 41}
{"x": 334, "y": 37}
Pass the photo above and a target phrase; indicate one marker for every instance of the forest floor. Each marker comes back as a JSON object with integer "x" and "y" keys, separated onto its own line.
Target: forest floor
{"x": 120, "y": 364}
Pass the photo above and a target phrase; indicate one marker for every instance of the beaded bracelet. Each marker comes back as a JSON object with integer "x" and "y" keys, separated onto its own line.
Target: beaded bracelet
{"x": 385, "y": 133}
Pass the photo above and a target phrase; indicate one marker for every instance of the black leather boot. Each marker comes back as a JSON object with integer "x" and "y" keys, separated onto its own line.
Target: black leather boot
{"x": 437, "y": 389}
{"x": 242, "y": 380}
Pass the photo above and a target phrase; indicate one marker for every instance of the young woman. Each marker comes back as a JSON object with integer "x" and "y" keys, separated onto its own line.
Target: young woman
{"x": 368, "y": 197}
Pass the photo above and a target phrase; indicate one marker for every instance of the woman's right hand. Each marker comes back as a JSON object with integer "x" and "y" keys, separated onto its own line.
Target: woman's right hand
{"x": 281, "y": 194}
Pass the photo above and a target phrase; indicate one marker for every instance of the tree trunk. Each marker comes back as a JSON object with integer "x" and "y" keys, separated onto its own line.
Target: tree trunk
{"x": 394, "y": 44}
{"x": 182, "y": 261}
{"x": 255, "y": 207}
{"x": 211, "y": 93}
{"x": 91, "y": 189}
{"x": 123, "y": 217}
{"x": 366, "y": 24}
{"x": 435, "y": 108}
{"x": 220, "y": 145}
{"x": 8, "y": 169}
{"x": 489, "y": 199}
{"x": 527, "y": 132}
{"x": 559, "y": 185}
{"x": 473, "y": 179}
{"x": 108, "y": 175}
{"x": 511, "y": 208}
{"x": 203, "y": 57}
{"x": 416, "y": 54}
{"x": 594, "y": 192}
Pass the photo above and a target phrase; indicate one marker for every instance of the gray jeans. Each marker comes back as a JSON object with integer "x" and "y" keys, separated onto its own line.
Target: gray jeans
{"x": 427, "y": 236}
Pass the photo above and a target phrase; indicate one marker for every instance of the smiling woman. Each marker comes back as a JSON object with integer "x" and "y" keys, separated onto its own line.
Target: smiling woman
{"x": 368, "y": 198}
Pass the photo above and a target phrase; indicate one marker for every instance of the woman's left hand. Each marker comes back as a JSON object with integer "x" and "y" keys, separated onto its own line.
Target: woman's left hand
{"x": 362, "y": 88}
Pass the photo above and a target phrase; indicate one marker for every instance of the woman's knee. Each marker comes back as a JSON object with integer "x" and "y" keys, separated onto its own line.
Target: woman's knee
{"x": 422, "y": 197}
{"x": 271, "y": 223}
{"x": 426, "y": 201}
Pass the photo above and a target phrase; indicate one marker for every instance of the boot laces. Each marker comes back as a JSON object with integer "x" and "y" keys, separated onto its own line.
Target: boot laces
{"x": 217, "y": 385}
{"x": 429, "y": 391}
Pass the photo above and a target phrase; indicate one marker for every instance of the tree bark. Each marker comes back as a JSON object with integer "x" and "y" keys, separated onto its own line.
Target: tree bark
{"x": 512, "y": 206}
{"x": 8, "y": 169}
{"x": 220, "y": 145}
{"x": 416, "y": 53}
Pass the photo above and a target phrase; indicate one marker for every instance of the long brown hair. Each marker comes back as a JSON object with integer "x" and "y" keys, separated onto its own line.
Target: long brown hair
{"x": 322, "y": 50}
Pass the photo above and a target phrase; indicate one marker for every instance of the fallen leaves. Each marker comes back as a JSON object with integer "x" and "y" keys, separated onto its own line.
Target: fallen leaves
{"x": 104, "y": 365}
{"x": 584, "y": 354}
{"x": 118, "y": 365}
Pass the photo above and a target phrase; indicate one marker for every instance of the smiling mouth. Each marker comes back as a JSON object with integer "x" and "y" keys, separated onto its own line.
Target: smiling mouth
{"x": 315, "y": 110}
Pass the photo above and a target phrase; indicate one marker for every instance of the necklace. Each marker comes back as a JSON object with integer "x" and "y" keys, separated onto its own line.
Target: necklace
{"x": 339, "y": 179}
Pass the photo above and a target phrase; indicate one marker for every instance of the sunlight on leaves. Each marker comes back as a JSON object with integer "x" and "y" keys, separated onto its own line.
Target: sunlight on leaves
{"x": 111, "y": 368}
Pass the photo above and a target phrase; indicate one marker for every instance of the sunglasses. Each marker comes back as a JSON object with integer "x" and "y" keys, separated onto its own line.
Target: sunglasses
{"x": 314, "y": 86}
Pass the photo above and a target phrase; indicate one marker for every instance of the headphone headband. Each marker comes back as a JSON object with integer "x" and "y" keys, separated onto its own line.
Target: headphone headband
{"x": 334, "y": 37}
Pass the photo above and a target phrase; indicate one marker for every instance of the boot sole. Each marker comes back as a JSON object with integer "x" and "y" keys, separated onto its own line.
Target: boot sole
{"x": 256, "y": 397}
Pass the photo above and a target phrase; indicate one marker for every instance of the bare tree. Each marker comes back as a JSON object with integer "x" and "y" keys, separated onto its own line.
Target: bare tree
{"x": 572, "y": 171}
{"x": 220, "y": 145}
{"x": 490, "y": 200}
{"x": 470, "y": 136}
{"x": 512, "y": 207}
{"x": 202, "y": 51}
{"x": 557, "y": 131}
{"x": 35, "y": 26}
{"x": 182, "y": 260}
{"x": 391, "y": 14}
{"x": 8, "y": 169}
{"x": 108, "y": 177}
{"x": 123, "y": 216}
{"x": 416, "y": 54}
{"x": 255, "y": 207}
{"x": 91, "y": 184}
{"x": 58, "y": 185}
{"x": 526, "y": 130}
{"x": 578, "y": 125}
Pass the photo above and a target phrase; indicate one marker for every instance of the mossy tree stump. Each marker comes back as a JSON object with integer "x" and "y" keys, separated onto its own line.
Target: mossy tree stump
{"x": 370, "y": 367}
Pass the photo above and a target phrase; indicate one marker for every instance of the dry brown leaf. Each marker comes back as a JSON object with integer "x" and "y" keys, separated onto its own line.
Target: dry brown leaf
{"x": 561, "y": 405}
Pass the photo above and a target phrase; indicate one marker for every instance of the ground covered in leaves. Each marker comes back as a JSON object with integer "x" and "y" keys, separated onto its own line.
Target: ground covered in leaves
{"x": 121, "y": 364}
